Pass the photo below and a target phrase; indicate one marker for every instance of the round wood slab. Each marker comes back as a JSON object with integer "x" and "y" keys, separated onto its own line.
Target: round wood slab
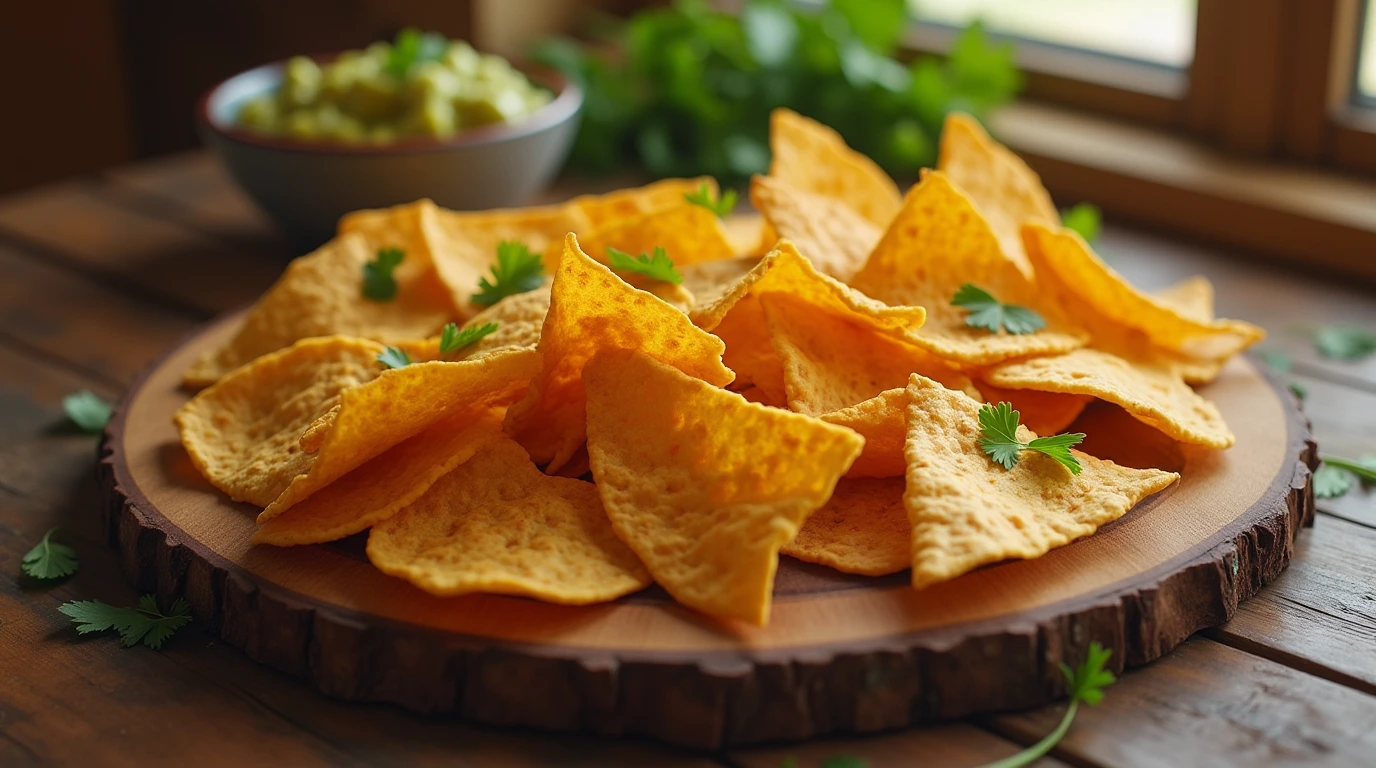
{"x": 841, "y": 653}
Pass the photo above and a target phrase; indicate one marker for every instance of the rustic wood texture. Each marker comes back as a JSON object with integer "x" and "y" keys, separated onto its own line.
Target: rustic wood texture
{"x": 90, "y": 702}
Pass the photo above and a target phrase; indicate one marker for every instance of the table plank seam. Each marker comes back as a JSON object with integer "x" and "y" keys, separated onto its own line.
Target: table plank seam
{"x": 1346, "y": 518}
{"x": 1293, "y": 661}
{"x": 1333, "y": 377}
{"x": 1026, "y": 738}
{"x": 59, "y": 361}
{"x": 169, "y": 210}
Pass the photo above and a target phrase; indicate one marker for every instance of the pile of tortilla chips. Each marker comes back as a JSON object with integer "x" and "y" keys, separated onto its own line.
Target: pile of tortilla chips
{"x": 808, "y": 388}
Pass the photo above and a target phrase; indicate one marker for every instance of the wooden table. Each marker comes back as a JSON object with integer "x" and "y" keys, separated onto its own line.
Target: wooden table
{"x": 100, "y": 275}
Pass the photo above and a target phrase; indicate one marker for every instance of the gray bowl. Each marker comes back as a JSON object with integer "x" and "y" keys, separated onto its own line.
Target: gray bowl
{"x": 308, "y": 187}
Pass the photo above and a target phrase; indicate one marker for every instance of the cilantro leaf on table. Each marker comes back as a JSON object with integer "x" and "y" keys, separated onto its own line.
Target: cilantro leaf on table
{"x": 518, "y": 269}
{"x": 410, "y": 48}
{"x": 451, "y": 338}
{"x": 989, "y": 313}
{"x": 394, "y": 357}
{"x": 1299, "y": 390}
{"x": 144, "y": 623}
{"x": 657, "y": 266}
{"x": 87, "y": 411}
{"x": 999, "y": 441}
{"x": 379, "y": 284}
{"x": 49, "y": 559}
{"x": 721, "y": 206}
{"x": 1085, "y": 219}
{"x": 1276, "y": 359}
{"x": 1336, "y": 476}
{"x": 1087, "y": 684}
{"x": 1344, "y": 342}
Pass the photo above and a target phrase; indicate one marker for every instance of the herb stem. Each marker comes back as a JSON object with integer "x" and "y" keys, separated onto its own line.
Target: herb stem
{"x": 1043, "y": 747}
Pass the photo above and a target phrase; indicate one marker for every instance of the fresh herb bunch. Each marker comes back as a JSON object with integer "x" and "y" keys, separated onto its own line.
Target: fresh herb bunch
{"x": 687, "y": 90}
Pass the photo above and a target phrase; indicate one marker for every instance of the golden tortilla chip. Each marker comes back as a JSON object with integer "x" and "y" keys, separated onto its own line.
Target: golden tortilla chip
{"x": 321, "y": 294}
{"x": 518, "y": 317}
{"x": 746, "y": 233}
{"x": 967, "y": 511}
{"x": 749, "y": 352}
{"x": 688, "y": 233}
{"x": 863, "y": 529}
{"x": 704, "y": 486}
{"x": 592, "y": 309}
{"x": 831, "y": 362}
{"x": 1152, "y": 392}
{"x": 883, "y": 421}
{"x": 1192, "y": 297}
{"x": 497, "y": 524}
{"x": 605, "y": 210}
{"x": 812, "y": 157}
{"x": 1046, "y": 413}
{"x": 938, "y": 243}
{"x": 1115, "y": 435}
{"x": 709, "y": 281}
{"x": 1001, "y": 185}
{"x": 400, "y": 404}
{"x": 244, "y": 432}
{"x": 380, "y": 487}
{"x": 834, "y": 237}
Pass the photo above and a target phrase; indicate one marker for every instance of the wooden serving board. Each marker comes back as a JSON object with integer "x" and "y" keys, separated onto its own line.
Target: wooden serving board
{"x": 840, "y": 654}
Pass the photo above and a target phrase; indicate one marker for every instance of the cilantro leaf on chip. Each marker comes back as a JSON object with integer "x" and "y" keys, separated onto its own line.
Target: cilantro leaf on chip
{"x": 657, "y": 266}
{"x": 86, "y": 410}
{"x": 999, "y": 424}
{"x": 1084, "y": 219}
{"x": 379, "y": 284}
{"x": 518, "y": 269}
{"x": 989, "y": 313}
{"x": 721, "y": 205}
{"x": 451, "y": 338}
{"x": 146, "y": 622}
{"x": 394, "y": 357}
{"x": 1344, "y": 342}
{"x": 49, "y": 559}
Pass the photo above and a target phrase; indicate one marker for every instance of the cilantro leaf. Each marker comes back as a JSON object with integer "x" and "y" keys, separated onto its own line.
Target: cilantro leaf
{"x": 394, "y": 357}
{"x": 999, "y": 441}
{"x": 49, "y": 559}
{"x": 518, "y": 269}
{"x": 1276, "y": 359}
{"x": 1344, "y": 342}
{"x": 1299, "y": 390}
{"x": 989, "y": 313}
{"x": 657, "y": 266}
{"x": 86, "y": 410}
{"x": 1087, "y": 684}
{"x": 145, "y": 623}
{"x": 378, "y": 282}
{"x": 721, "y": 206}
{"x": 1336, "y": 476}
{"x": 451, "y": 338}
{"x": 411, "y": 48}
{"x": 1084, "y": 218}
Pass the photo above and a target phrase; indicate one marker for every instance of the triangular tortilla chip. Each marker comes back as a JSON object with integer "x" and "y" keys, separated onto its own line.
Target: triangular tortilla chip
{"x": 1046, "y": 413}
{"x": 689, "y": 234}
{"x": 938, "y": 243}
{"x": 497, "y": 524}
{"x": 1001, "y": 185}
{"x": 607, "y": 209}
{"x": 709, "y": 281}
{"x": 519, "y": 319}
{"x": 592, "y": 309}
{"x": 883, "y": 421}
{"x": 812, "y": 157}
{"x": 863, "y": 529}
{"x": 1192, "y": 297}
{"x": 834, "y": 237}
{"x": 704, "y": 486}
{"x": 967, "y": 511}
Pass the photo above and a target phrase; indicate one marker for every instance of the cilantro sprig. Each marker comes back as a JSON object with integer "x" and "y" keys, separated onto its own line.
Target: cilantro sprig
{"x": 49, "y": 559}
{"x": 721, "y": 206}
{"x": 379, "y": 283}
{"x": 411, "y": 48}
{"x": 1344, "y": 342}
{"x": 656, "y": 266}
{"x": 394, "y": 357}
{"x": 87, "y": 411}
{"x": 989, "y": 313}
{"x": 1087, "y": 684}
{"x": 144, "y": 623}
{"x": 1083, "y": 218}
{"x": 518, "y": 269}
{"x": 1000, "y": 442}
{"x": 1336, "y": 476}
{"x": 452, "y": 338}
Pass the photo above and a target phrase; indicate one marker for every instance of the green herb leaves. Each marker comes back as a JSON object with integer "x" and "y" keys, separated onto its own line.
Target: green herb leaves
{"x": 518, "y": 269}
{"x": 144, "y": 623}
{"x": 999, "y": 424}
{"x": 1336, "y": 476}
{"x": 1084, "y": 219}
{"x": 87, "y": 411}
{"x": 1087, "y": 684}
{"x": 379, "y": 284}
{"x": 451, "y": 338}
{"x": 656, "y": 267}
{"x": 1344, "y": 342}
{"x": 394, "y": 357}
{"x": 411, "y": 48}
{"x": 721, "y": 206}
{"x": 988, "y": 313}
{"x": 49, "y": 559}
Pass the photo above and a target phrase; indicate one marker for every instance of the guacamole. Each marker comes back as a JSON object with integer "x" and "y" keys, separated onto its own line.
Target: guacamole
{"x": 420, "y": 85}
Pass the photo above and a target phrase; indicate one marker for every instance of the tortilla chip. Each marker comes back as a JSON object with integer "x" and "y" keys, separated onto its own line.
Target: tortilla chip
{"x": 541, "y": 229}
{"x": 749, "y": 352}
{"x": 385, "y": 484}
{"x": 1113, "y": 434}
{"x": 1152, "y": 392}
{"x": 967, "y": 511}
{"x": 863, "y": 529}
{"x": 497, "y": 524}
{"x": 605, "y": 210}
{"x": 1192, "y": 297}
{"x": 704, "y": 486}
{"x": 321, "y": 294}
{"x": 401, "y": 403}
{"x": 709, "y": 281}
{"x": 518, "y": 317}
{"x": 745, "y": 232}
{"x": 688, "y": 233}
{"x": 1001, "y": 185}
{"x": 938, "y": 243}
{"x": 244, "y": 433}
{"x": 1046, "y": 413}
{"x": 592, "y": 309}
{"x": 882, "y": 420}
{"x": 831, "y": 362}
{"x": 835, "y": 238}
{"x": 812, "y": 157}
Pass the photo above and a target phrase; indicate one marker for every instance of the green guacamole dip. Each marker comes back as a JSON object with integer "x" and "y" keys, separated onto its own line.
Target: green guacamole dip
{"x": 421, "y": 85}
